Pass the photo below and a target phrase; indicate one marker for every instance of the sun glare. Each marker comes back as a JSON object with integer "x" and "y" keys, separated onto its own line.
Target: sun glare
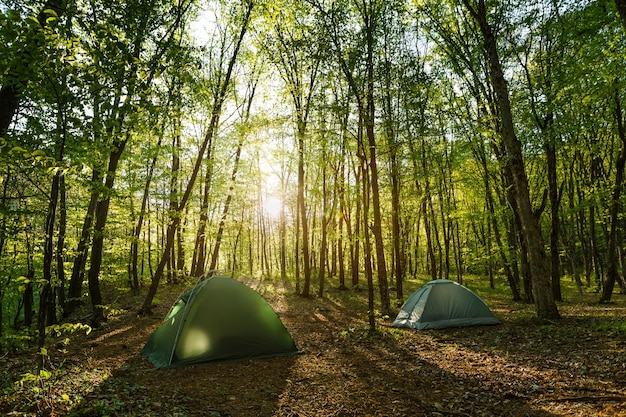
{"x": 272, "y": 207}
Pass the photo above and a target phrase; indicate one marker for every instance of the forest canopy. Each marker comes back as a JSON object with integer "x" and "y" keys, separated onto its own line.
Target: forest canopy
{"x": 347, "y": 144}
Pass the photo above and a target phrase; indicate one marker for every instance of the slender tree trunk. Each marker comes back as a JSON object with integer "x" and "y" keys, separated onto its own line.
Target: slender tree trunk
{"x": 612, "y": 255}
{"x": 78, "y": 270}
{"x": 324, "y": 238}
{"x": 3, "y": 234}
{"x": 399, "y": 256}
{"x": 60, "y": 252}
{"x": 46, "y": 296}
{"x": 283, "y": 229}
{"x": 367, "y": 246}
{"x": 342, "y": 219}
{"x": 306, "y": 262}
{"x": 297, "y": 250}
{"x": 173, "y": 199}
{"x": 29, "y": 296}
{"x": 355, "y": 236}
{"x": 377, "y": 231}
{"x": 200, "y": 246}
{"x": 428, "y": 217}
{"x": 555, "y": 257}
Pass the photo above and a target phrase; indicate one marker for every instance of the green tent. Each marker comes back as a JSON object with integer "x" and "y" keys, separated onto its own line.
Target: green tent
{"x": 220, "y": 319}
{"x": 443, "y": 303}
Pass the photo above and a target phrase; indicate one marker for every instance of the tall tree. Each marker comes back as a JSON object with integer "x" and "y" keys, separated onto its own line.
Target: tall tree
{"x": 225, "y": 85}
{"x": 614, "y": 208}
{"x": 141, "y": 19}
{"x": 357, "y": 62}
{"x": 296, "y": 54}
{"x": 542, "y": 291}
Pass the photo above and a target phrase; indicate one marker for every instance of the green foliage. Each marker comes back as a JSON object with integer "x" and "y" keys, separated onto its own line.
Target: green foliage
{"x": 17, "y": 340}
{"x": 618, "y": 327}
{"x": 67, "y": 328}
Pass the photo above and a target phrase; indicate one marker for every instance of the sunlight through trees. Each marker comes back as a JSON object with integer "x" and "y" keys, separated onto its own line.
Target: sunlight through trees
{"x": 329, "y": 144}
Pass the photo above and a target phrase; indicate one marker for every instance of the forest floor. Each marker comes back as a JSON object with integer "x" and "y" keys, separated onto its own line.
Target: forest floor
{"x": 575, "y": 366}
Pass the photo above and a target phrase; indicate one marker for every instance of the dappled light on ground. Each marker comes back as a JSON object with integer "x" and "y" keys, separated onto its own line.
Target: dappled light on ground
{"x": 572, "y": 367}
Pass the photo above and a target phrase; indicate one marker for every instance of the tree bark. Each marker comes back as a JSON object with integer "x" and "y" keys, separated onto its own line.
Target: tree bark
{"x": 100, "y": 215}
{"x": 306, "y": 256}
{"x": 199, "y": 254}
{"x": 60, "y": 250}
{"x": 46, "y": 296}
{"x": 542, "y": 291}
{"x": 75, "y": 289}
{"x": 324, "y": 237}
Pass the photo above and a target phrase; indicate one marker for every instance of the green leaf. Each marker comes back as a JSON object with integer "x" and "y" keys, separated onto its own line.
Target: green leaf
{"x": 51, "y": 12}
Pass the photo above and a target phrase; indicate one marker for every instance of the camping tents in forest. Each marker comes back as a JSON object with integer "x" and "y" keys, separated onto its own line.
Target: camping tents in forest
{"x": 220, "y": 319}
{"x": 443, "y": 303}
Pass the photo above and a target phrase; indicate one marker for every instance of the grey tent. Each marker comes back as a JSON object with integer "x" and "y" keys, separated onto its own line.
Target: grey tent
{"x": 220, "y": 319}
{"x": 443, "y": 303}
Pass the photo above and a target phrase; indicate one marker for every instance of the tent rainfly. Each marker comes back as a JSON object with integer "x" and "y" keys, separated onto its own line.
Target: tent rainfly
{"x": 443, "y": 303}
{"x": 219, "y": 320}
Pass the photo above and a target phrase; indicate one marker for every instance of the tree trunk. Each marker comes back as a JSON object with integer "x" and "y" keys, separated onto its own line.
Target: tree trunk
{"x": 367, "y": 246}
{"x": 75, "y": 289}
{"x": 46, "y": 296}
{"x": 97, "y": 247}
{"x": 306, "y": 262}
{"x": 60, "y": 252}
{"x": 555, "y": 262}
{"x": 173, "y": 200}
{"x": 324, "y": 220}
{"x": 614, "y": 209}
{"x": 428, "y": 217}
{"x": 343, "y": 218}
{"x": 29, "y": 296}
{"x": 283, "y": 230}
{"x": 199, "y": 255}
{"x": 544, "y": 297}
{"x": 381, "y": 267}
{"x": 134, "y": 246}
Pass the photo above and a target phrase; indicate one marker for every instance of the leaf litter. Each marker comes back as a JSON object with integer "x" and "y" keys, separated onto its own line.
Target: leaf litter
{"x": 572, "y": 367}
